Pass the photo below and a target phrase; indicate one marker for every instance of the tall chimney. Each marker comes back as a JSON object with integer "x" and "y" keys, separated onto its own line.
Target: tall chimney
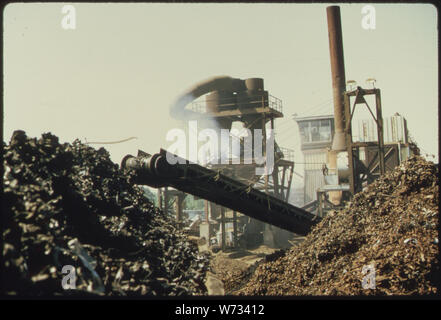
{"x": 338, "y": 75}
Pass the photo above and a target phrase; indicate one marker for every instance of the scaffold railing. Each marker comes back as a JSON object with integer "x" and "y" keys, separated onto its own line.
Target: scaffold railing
{"x": 200, "y": 106}
{"x": 288, "y": 154}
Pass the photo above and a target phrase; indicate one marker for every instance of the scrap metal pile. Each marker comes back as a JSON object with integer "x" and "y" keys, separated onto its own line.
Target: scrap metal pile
{"x": 383, "y": 243}
{"x": 232, "y": 272}
{"x": 69, "y": 204}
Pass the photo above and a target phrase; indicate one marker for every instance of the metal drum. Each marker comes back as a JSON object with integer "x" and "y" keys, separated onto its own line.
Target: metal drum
{"x": 216, "y": 102}
{"x": 220, "y": 100}
{"x": 254, "y": 84}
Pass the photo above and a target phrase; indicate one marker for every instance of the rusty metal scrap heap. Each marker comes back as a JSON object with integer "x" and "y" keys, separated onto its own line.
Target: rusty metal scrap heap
{"x": 68, "y": 204}
{"x": 390, "y": 228}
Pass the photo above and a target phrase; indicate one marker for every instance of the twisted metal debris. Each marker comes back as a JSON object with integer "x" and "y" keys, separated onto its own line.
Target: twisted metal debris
{"x": 69, "y": 205}
{"x": 385, "y": 242}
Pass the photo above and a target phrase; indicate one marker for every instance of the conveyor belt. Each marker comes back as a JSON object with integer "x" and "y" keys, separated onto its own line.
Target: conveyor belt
{"x": 156, "y": 171}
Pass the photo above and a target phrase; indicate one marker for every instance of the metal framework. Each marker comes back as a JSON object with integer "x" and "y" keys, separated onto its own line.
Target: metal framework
{"x": 356, "y": 167}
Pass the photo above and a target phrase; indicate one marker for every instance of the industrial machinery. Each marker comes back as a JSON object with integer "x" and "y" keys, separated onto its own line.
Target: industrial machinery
{"x": 340, "y": 167}
{"x": 348, "y": 166}
{"x": 218, "y": 103}
{"x": 156, "y": 171}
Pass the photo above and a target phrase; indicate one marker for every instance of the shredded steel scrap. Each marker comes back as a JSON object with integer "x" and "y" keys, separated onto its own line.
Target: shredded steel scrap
{"x": 68, "y": 204}
{"x": 385, "y": 242}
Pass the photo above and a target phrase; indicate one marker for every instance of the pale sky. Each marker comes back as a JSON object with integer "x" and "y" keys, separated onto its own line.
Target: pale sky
{"x": 116, "y": 75}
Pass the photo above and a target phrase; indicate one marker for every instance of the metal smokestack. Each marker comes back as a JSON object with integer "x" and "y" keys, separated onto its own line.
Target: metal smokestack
{"x": 338, "y": 75}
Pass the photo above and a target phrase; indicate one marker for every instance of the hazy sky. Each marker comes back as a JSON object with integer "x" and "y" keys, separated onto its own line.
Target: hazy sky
{"x": 117, "y": 73}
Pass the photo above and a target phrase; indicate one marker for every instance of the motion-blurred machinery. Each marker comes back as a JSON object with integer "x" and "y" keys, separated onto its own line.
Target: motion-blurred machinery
{"x": 217, "y": 104}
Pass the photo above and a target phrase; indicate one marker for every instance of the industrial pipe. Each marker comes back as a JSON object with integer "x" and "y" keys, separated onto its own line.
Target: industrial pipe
{"x": 338, "y": 75}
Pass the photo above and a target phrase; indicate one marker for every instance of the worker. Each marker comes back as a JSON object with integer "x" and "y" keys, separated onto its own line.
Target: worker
{"x": 325, "y": 169}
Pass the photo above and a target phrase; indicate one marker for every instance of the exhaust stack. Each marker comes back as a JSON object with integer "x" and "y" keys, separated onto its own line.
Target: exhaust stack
{"x": 338, "y": 75}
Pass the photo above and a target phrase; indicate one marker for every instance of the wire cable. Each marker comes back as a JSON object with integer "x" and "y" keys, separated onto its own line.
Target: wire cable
{"x": 111, "y": 142}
